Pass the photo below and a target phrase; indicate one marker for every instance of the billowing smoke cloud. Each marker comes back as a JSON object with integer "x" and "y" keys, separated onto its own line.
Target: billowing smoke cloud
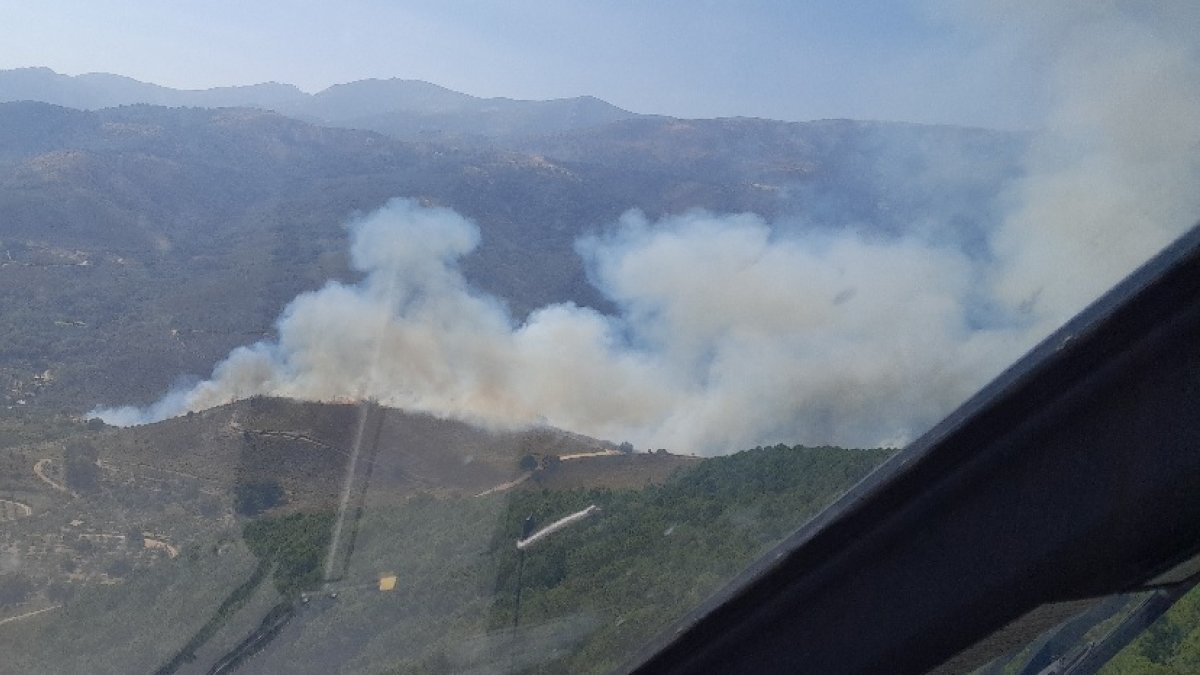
{"x": 726, "y": 337}
{"x": 729, "y": 334}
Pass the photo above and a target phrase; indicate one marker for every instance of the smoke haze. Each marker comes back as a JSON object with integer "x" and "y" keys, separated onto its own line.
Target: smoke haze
{"x": 1113, "y": 177}
{"x": 729, "y": 333}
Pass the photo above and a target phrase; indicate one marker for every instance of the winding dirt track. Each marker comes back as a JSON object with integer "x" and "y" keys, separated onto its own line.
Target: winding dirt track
{"x": 39, "y": 468}
{"x": 524, "y": 477}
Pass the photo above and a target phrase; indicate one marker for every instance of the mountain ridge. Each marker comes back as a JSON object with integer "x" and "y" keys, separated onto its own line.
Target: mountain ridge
{"x": 400, "y": 107}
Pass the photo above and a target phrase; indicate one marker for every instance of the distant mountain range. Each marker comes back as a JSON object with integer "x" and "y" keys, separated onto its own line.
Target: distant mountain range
{"x": 132, "y": 216}
{"x": 408, "y": 109}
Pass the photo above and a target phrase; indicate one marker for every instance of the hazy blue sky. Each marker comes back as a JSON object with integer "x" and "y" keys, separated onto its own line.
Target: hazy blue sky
{"x": 787, "y": 59}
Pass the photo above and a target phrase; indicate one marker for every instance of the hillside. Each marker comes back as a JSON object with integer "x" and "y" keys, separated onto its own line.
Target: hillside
{"x": 827, "y": 173}
{"x": 125, "y": 232}
{"x": 128, "y": 235}
{"x": 159, "y": 540}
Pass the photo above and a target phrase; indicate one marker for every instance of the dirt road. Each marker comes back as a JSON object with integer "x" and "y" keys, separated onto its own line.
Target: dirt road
{"x": 506, "y": 486}
{"x": 12, "y": 510}
{"x": 581, "y": 455}
{"x": 26, "y": 615}
{"x": 39, "y": 468}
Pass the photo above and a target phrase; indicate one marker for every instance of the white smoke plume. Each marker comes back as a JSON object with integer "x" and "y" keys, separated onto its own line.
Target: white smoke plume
{"x": 729, "y": 334}
{"x": 1115, "y": 174}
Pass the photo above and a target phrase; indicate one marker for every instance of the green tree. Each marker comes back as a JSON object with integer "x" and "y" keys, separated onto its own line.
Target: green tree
{"x": 81, "y": 471}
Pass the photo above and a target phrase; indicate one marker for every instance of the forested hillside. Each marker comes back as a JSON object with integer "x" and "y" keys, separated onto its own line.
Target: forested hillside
{"x": 591, "y": 594}
{"x": 1171, "y": 646}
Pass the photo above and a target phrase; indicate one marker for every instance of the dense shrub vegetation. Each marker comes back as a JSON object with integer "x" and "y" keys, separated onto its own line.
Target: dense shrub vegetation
{"x": 294, "y": 545}
{"x": 613, "y": 581}
{"x": 1171, "y": 646}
